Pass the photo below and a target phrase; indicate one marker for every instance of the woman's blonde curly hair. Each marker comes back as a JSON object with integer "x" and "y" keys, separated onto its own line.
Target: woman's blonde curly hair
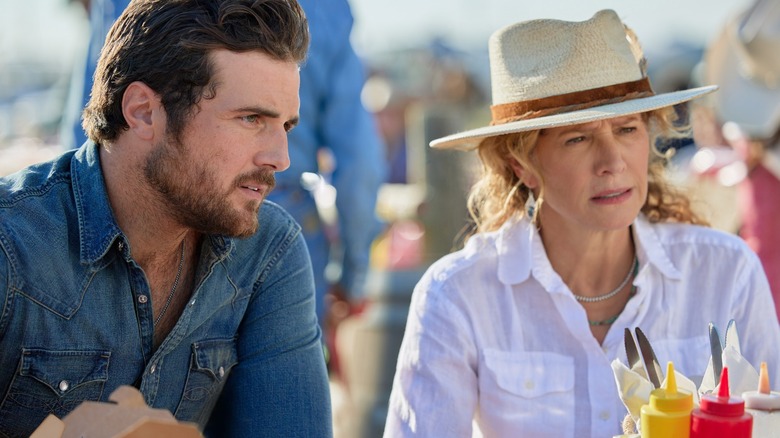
{"x": 499, "y": 194}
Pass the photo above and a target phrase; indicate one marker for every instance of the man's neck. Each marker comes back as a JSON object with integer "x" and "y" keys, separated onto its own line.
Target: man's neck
{"x": 139, "y": 210}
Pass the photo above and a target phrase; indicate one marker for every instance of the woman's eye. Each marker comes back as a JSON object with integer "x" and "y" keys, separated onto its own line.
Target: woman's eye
{"x": 575, "y": 140}
{"x": 628, "y": 129}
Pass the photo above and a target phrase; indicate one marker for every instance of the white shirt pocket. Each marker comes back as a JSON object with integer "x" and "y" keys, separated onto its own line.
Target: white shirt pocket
{"x": 526, "y": 394}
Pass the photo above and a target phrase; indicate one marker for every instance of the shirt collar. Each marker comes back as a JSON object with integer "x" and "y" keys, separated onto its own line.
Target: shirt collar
{"x": 517, "y": 241}
{"x": 98, "y": 229}
{"x": 649, "y": 248}
{"x": 521, "y": 253}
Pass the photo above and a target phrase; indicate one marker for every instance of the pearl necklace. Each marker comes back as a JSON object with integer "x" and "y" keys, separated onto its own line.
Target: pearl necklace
{"x": 611, "y": 294}
{"x": 609, "y": 321}
{"x": 173, "y": 288}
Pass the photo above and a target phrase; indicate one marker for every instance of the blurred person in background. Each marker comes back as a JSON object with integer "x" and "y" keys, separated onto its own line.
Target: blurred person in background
{"x": 578, "y": 237}
{"x": 334, "y": 124}
{"x": 335, "y": 144}
{"x": 148, "y": 256}
{"x": 389, "y": 105}
{"x": 101, "y": 14}
{"x": 744, "y": 60}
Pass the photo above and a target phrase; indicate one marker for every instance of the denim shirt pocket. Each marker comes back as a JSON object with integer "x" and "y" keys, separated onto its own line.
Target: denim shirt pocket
{"x": 51, "y": 382}
{"x": 210, "y": 365}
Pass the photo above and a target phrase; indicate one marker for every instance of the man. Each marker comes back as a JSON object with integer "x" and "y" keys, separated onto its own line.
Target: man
{"x": 141, "y": 258}
{"x": 333, "y": 117}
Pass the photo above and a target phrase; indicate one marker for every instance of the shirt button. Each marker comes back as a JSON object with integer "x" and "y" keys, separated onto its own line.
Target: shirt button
{"x": 121, "y": 246}
{"x": 64, "y": 385}
{"x": 604, "y": 415}
{"x": 529, "y": 384}
{"x": 153, "y": 368}
{"x": 142, "y": 299}
{"x": 221, "y": 371}
{"x": 192, "y": 303}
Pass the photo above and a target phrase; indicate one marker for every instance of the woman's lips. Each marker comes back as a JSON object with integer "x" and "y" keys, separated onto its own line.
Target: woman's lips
{"x": 612, "y": 196}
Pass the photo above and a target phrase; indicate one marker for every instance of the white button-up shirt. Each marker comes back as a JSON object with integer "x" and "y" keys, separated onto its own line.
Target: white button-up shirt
{"x": 497, "y": 345}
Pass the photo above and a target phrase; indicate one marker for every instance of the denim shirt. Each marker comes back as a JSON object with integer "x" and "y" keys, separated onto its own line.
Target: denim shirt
{"x": 76, "y": 318}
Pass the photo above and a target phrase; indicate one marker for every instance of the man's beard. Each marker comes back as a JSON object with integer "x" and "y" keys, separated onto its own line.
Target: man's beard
{"x": 191, "y": 191}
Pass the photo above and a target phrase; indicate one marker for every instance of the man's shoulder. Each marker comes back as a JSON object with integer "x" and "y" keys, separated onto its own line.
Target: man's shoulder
{"x": 274, "y": 218}
{"x": 277, "y": 228}
{"x": 35, "y": 181}
{"x": 35, "y": 205}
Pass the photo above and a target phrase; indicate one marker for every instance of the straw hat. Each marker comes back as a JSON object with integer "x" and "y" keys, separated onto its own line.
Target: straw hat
{"x": 745, "y": 61}
{"x": 549, "y": 73}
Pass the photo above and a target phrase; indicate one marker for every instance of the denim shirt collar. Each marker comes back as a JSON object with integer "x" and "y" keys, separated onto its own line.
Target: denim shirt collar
{"x": 98, "y": 229}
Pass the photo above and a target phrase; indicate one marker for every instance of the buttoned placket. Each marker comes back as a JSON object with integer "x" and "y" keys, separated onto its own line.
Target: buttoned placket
{"x": 150, "y": 382}
{"x": 142, "y": 299}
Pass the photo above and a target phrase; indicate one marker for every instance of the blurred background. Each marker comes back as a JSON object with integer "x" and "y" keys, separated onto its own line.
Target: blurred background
{"x": 427, "y": 76}
{"x": 432, "y": 49}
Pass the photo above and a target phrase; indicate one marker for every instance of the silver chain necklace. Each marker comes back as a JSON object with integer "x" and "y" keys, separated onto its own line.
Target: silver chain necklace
{"x": 173, "y": 288}
{"x": 609, "y": 295}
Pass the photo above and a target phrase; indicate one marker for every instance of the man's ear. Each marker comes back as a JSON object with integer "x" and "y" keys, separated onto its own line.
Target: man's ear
{"x": 142, "y": 109}
{"x": 528, "y": 178}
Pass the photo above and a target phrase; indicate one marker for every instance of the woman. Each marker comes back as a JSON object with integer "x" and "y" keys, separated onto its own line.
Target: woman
{"x": 577, "y": 238}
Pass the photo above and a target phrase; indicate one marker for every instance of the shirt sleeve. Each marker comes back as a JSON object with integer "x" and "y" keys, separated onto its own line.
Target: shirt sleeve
{"x": 435, "y": 387}
{"x": 279, "y": 388}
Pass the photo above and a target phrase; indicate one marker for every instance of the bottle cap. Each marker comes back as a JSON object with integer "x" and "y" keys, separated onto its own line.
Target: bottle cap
{"x": 668, "y": 399}
{"x": 723, "y": 404}
{"x": 763, "y": 399}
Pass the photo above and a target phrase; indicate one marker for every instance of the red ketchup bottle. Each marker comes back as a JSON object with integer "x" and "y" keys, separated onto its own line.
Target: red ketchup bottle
{"x": 721, "y": 416}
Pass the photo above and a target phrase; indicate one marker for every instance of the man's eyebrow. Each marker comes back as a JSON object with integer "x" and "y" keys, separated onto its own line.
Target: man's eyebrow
{"x": 267, "y": 113}
{"x": 259, "y": 110}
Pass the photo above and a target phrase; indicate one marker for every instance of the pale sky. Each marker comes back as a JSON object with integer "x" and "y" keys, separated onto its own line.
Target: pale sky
{"x": 43, "y": 29}
{"x": 386, "y": 24}
{"x": 54, "y": 29}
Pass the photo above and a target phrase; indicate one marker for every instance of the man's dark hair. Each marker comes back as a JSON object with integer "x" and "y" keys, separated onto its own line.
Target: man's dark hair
{"x": 166, "y": 44}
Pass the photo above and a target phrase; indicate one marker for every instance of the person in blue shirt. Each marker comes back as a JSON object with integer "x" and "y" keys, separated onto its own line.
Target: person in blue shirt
{"x": 149, "y": 256}
{"x": 333, "y": 117}
{"x": 101, "y": 14}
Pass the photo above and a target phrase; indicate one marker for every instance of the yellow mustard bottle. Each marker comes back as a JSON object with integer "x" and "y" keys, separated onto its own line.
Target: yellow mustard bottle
{"x": 669, "y": 412}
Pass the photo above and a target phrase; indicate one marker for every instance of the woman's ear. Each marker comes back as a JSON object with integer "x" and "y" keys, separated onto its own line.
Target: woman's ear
{"x": 141, "y": 108}
{"x": 528, "y": 178}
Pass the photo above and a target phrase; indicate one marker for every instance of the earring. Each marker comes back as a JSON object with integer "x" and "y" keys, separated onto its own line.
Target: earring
{"x": 530, "y": 204}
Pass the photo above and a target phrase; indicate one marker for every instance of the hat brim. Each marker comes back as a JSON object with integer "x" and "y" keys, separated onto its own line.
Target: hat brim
{"x": 468, "y": 140}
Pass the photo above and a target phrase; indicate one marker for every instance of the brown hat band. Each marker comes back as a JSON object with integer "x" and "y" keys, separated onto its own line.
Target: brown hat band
{"x": 562, "y": 103}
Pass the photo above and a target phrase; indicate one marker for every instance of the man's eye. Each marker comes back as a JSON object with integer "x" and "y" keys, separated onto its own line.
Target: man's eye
{"x": 252, "y": 118}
